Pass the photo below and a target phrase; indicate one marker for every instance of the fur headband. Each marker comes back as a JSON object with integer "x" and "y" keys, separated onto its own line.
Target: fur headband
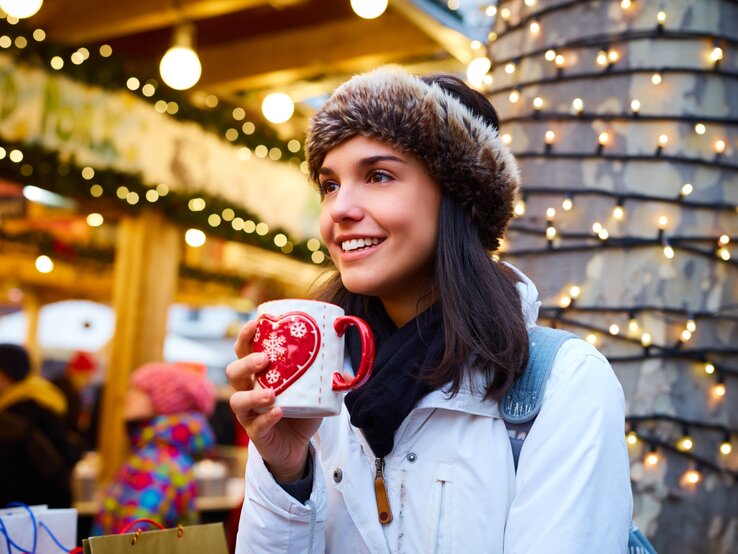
{"x": 460, "y": 151}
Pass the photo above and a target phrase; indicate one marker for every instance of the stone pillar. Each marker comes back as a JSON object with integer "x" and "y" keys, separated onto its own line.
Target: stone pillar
{"x": 144, "y": 283}
{"x": 624, "y": 119}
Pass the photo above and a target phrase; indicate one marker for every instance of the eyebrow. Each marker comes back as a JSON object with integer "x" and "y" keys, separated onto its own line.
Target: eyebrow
{"x": 366, "y": 162}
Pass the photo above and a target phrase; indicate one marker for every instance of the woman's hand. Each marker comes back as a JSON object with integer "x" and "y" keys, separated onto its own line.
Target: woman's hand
{"x": 282, "y": 443}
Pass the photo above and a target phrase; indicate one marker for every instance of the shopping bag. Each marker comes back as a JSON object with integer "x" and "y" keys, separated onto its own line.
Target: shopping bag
{"x": 37, "y": 529}
{"x": 193, "y": 539}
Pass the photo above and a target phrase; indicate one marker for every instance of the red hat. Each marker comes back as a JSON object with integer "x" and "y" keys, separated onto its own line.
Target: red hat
{"x": 82, "y": 362}
{"x": 176, "y": 387}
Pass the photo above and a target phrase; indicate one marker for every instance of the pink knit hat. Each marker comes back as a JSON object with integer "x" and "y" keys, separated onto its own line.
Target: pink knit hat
{"x": 176, "y": 387}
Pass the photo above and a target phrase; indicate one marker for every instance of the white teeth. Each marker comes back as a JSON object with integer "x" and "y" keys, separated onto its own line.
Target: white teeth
{"x": 355, "y": 244}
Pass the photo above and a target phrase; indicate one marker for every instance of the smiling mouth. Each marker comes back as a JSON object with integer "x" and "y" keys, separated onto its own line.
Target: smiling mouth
{"x": 360, "y": 244}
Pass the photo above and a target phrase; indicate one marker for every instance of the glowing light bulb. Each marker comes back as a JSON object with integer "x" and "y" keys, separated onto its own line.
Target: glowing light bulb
{"x": 278, "y": 107}
{"x": 180, "y": 67}
{"x": 614, "y": 329}
{"x": 519, "y": 208}
{"x": 514, "y": 96}
{"x": 44, "y": 264}
{"x": 592, "y": 339}
{"x": 567, "y": 204}
{"x": 535, "y": 27}
{"x": 633, "y": 325}
{"x": 635, "y": 106}
{"x": 549, "y": 137}
{"x": 597, "y": 226}
{"x": 663, "y": 222}
{"x": 726, "y": 448}
{"x": 618, "y": 212}
{"x": 661, "y": 17}
{"x": 668, "y": 252}
{"x": 663, "y": 139}
{"x": 477, "y": 70}
{"x": 577, "y": 104}
{"x": 550, "y": 232}
{"x": 560, "y": 61}
{"x": 626, "y": 4}
{"x": 510, "y": 68}
{"x": 574, "y": 291}
{"x": 709, "y": 368}
{"x": 723, "y": 240}
{"x": 691, "y": 477}
{"x": 686, "y": 335}
{"x": 716, "y": 55}
{"x": 550, "y": 213}
{"x": 604, "y": 138}
{"x": 21, "y": 9}
{"x": 550, "y": 55}
{"x": 687, "y": 189}
{"x": 720, "y": 146}
{"x": 369, "y": 9}
{"x": 700, "y": 128}
{"x": 685, "y": 443}
{"x": 195, "y": 238}
{"x": 656, "y": 78}
{"x": 719, "y": 389}
{"x": 724, "y": 254}
{"x": 603, "y": 234}
{"x": 507, "y": 139}
{"x": 646, "y": 339}
{"x": 613, "y": 56}
{"x": 631, "y": 438}
{"x": 601, "y": 58}
{"x": 565, "y": 301}
{"x": 651, "y": 459}
{"x": 537, "y": 103}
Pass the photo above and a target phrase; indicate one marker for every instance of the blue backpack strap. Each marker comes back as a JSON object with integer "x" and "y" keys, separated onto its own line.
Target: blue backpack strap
{"x": 523, "y": 401}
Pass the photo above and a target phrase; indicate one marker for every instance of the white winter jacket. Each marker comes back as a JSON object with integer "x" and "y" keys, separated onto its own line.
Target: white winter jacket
{"x": 451, "y": 481}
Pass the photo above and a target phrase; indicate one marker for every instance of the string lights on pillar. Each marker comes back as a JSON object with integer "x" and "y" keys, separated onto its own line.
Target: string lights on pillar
{"x": 635, "y": 129}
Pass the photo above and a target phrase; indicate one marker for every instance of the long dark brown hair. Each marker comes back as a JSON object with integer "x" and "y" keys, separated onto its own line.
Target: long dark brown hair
{"x": 483, "y": 323}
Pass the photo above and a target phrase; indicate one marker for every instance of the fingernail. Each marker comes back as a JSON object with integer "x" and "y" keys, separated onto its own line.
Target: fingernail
{"x": 263, "y": 359}
{"x": 267, "y": 394}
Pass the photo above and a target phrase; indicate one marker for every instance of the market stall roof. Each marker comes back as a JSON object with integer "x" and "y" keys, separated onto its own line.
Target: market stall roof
{"x": 251, "y": 47}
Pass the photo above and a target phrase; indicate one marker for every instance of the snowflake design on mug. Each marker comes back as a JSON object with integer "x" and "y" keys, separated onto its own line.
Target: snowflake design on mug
{"x": 274, "y": 346}
{"x": 257, "y": 335}
{"x": 298, "y": 329}
{"x": 272, "y": 376}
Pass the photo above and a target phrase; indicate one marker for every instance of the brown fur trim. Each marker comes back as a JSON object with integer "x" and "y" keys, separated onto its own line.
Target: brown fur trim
{"x": 462, "y": 153}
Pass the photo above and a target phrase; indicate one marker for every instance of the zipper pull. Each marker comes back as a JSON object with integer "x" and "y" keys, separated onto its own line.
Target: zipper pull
{"x": 380, "y": 489}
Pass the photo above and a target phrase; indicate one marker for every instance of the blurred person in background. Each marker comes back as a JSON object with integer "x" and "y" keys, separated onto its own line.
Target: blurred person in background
{"x": 166, "y": 411}
{"x": 36, "y": 455}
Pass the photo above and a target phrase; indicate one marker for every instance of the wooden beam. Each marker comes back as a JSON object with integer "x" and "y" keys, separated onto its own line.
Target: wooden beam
{"x": 347, "y": 45}
{"x": 83, "y": 21}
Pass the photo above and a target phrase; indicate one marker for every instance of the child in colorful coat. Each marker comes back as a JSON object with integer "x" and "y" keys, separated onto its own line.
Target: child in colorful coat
{"x": 166, "y": 412}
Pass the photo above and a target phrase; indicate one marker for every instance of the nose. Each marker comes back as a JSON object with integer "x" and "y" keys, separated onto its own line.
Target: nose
{"x": 346, "y": 205}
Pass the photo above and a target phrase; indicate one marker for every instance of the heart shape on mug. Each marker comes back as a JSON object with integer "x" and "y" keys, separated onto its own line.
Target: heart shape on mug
{"x": 291, "y": 342}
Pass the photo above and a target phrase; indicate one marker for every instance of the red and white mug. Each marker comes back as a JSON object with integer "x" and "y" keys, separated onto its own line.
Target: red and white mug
{"x": 304, "y": 341}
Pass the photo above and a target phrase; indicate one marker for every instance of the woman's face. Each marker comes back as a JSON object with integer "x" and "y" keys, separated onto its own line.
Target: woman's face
{"x": 379, "y": 219}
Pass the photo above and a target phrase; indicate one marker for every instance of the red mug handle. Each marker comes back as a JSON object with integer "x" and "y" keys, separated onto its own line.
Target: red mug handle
{"x": 367, "y": 353}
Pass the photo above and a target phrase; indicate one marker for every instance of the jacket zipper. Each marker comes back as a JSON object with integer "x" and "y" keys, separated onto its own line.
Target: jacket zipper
{"x": 380, "y": 489}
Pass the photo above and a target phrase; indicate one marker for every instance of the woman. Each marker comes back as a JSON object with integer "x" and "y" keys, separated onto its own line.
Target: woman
{"x": 417, "y": 190}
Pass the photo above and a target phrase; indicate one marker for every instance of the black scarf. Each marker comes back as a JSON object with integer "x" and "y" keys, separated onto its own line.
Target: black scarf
{"x": 381, "y": 405}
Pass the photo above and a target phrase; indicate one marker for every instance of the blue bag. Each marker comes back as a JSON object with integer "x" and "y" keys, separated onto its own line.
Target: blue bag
{"x": 524, "y": 399}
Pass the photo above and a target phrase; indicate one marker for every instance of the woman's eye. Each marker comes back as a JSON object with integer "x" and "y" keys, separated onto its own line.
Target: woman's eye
{"x": 327, "y": 187}
{"x": 379, "y": 176}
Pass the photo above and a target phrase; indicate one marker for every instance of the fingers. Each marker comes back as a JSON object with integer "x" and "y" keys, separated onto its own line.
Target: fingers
{"x": 245, "y": 338}
{"x": 241, "y": 372}
{"x": 245, "y": 403}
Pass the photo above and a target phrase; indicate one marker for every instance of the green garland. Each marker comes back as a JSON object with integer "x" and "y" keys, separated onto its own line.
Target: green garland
{"x": 44, "y": 169}
{"x": 111, "y": 74}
